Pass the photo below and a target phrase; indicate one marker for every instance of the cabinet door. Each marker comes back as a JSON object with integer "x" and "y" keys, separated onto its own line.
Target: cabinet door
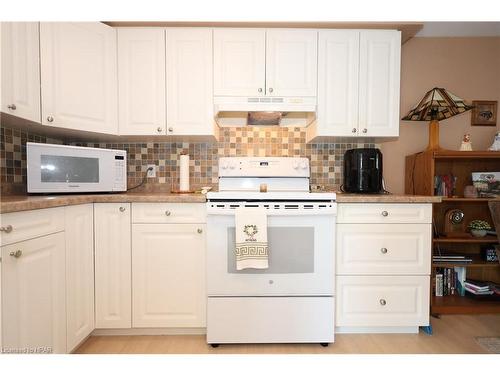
{"x": 379, "y": 75}
{"x": 239, "y": 62}
{"x": 338, "y": 69}
{"x": 189, "y": 81}
{"x": 21, "y": 70}
{"x": 168, "y": 263}
{"x": 141, "y": 81}
{"x": 33, "y": 295}
{"x": 112, "y": 265}
{"x": 291, "y": 62}
{"x": 79, "y": 273}
{"x": 78, "y": 70}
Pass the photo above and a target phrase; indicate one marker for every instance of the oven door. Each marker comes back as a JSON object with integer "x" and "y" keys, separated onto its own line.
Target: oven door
{"x": 301, "y": 245}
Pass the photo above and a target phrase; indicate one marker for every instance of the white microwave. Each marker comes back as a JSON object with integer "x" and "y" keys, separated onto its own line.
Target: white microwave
{"x": 71, "y": 169}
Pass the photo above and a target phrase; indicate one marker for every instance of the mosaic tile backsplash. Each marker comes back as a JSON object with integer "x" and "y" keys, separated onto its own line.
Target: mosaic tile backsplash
{"x": 326, "y": 159}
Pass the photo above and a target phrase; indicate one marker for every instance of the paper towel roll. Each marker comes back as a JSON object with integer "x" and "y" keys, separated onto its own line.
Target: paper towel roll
{"x": 184, "y": 173}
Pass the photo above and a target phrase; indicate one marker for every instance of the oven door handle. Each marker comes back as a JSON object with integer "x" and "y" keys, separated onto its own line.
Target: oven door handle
{"x": 281, "y": 212}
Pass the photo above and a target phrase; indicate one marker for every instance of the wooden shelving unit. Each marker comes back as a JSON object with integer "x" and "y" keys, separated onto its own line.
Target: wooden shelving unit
{"x": 419, "y": 179}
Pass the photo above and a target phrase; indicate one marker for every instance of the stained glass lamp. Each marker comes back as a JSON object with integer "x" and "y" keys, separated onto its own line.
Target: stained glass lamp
{"x": 437, "y": 104}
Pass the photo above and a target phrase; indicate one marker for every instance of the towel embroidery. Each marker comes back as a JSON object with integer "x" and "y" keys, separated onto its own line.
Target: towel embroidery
{"x": 250, "y": 231}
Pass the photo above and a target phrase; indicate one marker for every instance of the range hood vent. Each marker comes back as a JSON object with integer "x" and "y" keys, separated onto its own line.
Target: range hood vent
{"x": 284, "y": 111}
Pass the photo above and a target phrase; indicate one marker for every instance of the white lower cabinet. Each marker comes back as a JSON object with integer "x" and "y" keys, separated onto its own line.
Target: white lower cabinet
{"x": 34, "y": 295}
{"x": 113, "y": 293}
{"x": 386, "y": 301}
{"x": 79, "y": 273}
{"x": 383, "y": 258}
{"x": 168, "y": 273}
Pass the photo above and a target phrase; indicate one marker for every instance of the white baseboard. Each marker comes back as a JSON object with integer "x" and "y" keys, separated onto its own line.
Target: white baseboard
{"x": 148, "y": 331}
{"x": 410, "y": 329}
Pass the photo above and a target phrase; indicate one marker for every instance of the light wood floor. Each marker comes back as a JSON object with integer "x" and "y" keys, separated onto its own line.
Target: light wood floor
{"x": 452, "y": 334}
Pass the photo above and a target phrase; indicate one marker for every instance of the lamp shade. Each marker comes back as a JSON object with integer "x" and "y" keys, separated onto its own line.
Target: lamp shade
{"x": 437, "y": 104}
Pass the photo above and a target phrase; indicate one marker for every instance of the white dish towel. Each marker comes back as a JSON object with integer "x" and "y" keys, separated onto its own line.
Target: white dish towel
{"x": 251, "y": 238}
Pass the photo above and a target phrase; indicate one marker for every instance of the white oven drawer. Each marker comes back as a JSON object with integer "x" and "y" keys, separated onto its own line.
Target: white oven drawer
{"x": 383, "y": 249}
{"x": 20, "y": 226}
{"x": 387, "y": 301}
{"x": 270, "y": 319}
{"x": 402, "y": 213}
{"x": 178, "y": 213}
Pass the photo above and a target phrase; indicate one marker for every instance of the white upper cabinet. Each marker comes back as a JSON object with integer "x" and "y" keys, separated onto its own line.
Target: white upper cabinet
{"x": 379, "y": 76}
{"x": 190, "y": 81}
{"x": 79, "y": 77}
{"x": 358, "y": 83}
{"x": 338, "y": 67}
{"x": 21, "y": 70}
{"x": 291, "y": 62}
{"x": 239, "y": 62}
{"x": 141, "y": 81}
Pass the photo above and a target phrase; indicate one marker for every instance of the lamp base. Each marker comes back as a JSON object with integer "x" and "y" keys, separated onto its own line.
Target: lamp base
{"x": 433, "y": 144}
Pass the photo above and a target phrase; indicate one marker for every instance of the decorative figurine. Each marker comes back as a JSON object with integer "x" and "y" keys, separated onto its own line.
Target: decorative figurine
{"x": 466, "y": 145}
{"x": 496, "y": 143}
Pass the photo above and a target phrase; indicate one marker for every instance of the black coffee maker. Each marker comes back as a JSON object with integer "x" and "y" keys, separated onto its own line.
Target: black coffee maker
{"x": 363, "y": 171}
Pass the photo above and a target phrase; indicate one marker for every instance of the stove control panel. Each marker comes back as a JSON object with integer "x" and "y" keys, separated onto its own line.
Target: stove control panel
{"x": 263, "y": 167}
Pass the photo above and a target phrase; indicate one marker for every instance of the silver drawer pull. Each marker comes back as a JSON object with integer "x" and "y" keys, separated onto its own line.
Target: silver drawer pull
{"x": 385, "y": 213}
{"x": 122, "y": 209}
{"x": 168, "y": 213}
{"x": 354, "y": 130}
{"x": 6, "y": 229}
{"x": 200, "y": 231}
{"x": 16, "y": 254}
{"x": 12, "y": 106}
{"x": 383, "y": 250}
{"x": 383, "y": 302}
{"x": 50, "y": 118}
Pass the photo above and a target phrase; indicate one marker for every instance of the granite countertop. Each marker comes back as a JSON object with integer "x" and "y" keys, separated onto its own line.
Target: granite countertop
{"x": 14, "y": 203}
{"x": 386, "y": 198}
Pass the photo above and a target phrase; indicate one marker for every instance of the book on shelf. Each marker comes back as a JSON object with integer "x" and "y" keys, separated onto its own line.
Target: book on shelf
{"x": 481, "y": 288}
{"x": 451, "y": 259}
{"x": 449, "y": 281}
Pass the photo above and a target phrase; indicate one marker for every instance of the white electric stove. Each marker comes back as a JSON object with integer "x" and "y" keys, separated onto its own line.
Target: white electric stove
{"x": 293, "y": 300}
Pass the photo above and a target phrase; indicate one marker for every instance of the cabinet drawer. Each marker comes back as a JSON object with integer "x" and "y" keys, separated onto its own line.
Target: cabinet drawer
{"x": 383, "y": 249}
{"x": 384, "y": 301}
{"x": 169, "y": 213}
{"x": 402, "y": 213}
{"x": 20, "y": 226}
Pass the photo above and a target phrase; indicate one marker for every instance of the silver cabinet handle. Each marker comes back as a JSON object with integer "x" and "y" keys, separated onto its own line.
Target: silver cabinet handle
{"x": 168, "y": 213}
{"x": 50, "y": 118}
{"x": 354, "y": 130}
{"x": 170, "y": 129}
{"x": 122, "y": 209}
{"x": 6, "y": 229}
{"x": 365, "y": 130}
{"x": 260, "y": 89}
{"x": 159, "y": 130}
{"x": 271, "y": 89}
{"x": 383, "y": 302}
{"x": 385, "y": 213}
{"x": 12, "y": 106}
{"x": 383, "y": 250}
{"x": 16, "y": 254}
{"x": 200, "y": 231}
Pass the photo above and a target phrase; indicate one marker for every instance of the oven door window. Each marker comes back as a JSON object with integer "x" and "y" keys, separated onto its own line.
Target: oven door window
{"x": 291, "y": 250}
{"x": 57, "y": 168}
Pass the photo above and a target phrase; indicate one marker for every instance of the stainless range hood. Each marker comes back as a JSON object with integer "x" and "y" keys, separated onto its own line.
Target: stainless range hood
{"x": 284, "y": 111}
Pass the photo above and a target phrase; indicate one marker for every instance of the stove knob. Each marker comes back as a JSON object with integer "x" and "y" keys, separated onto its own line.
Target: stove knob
{"x": 224, "y": 165}
{"x": 295, "y": 165}
{"x": 232, "y": 166}
{"x": 303, "y": 165}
